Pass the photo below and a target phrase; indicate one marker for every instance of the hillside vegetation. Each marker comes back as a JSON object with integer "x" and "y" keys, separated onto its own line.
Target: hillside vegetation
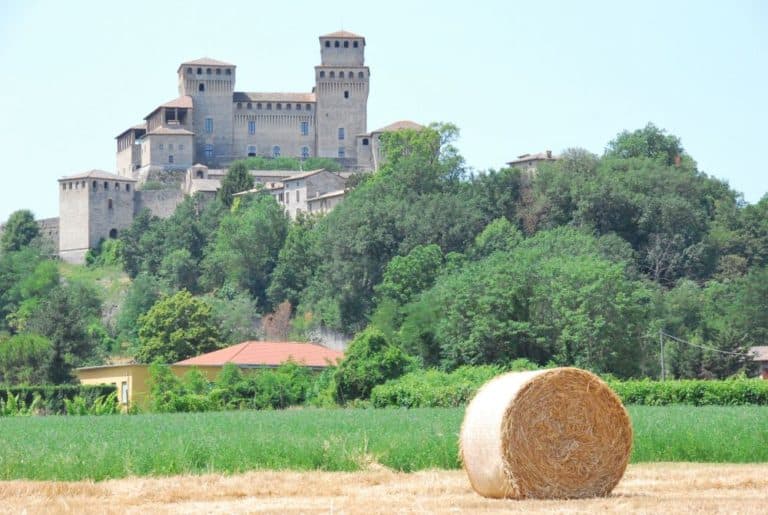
{"x": 585, "y": 262}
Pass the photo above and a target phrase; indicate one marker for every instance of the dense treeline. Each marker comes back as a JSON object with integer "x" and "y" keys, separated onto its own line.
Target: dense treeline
{"x": 585, "y": 262}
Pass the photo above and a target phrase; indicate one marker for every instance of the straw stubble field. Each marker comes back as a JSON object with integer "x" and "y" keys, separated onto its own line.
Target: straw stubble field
{"x": 648, "y": 488}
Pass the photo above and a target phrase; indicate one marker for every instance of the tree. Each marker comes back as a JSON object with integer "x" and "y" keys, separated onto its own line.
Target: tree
{"x": 498, "y": 236}
{"x": 20, "y": 230}
{"x": 296, "y": 262}
{"x": 369, "y": 360}
{"x": 176, "y": 328}
{"x": 66, "y": 316}
{"x": 406, "y": 276}
{"x": 237, "y": 179}
{"x": 649, "y": 141}
{"x": 142, "y": 294}
{"x": 24, "y": 359}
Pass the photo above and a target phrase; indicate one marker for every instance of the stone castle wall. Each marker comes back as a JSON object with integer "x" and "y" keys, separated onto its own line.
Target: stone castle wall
{"x": 161, "y": 203}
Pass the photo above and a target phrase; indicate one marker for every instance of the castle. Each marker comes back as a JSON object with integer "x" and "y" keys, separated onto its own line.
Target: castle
{"x": 192, "y": 138}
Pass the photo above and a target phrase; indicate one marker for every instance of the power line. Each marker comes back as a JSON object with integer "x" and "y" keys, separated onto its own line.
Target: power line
{"x": 740, "y": 354}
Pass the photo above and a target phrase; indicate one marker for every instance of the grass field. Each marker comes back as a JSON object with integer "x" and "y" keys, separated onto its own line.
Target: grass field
{"x": 75, "y": 448}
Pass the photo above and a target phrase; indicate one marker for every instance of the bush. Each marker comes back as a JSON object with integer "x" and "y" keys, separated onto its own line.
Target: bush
{"x": 729, "y": 392}
{"x": 53, "y": 397}
{"x": 100, "y": 406}
{"x": 370, "y": 360}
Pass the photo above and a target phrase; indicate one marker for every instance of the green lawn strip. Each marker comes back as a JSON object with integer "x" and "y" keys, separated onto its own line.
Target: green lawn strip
{"x": 75, "y": 448}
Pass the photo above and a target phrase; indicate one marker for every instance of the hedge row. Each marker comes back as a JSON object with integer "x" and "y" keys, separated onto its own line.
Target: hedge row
{"x": 433, "y": 388}
{"x": 53, "y": 396}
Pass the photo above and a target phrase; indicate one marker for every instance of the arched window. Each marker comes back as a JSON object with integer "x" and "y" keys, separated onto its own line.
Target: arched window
{"x": 288, "y": 106}
{"x": 341, "y": 75}
{"x": 199, "y": 71}
{"x": 201, "y": 87}
{"x": 249, "y": 105}
{"x": 322, "y": 74}
{"x": 109, "y": 203}
{"x": 354, "y": 44}
{"x": 127, "y": 187}
{"x": 269, "y": 106}
{"x": 360, "y": 75}
{"x": 346, "y": 44}
{"x": 106, "y": 185}
{"x": 336, "y": 44}
{"x": 239, "y": 105}
{"x": 346, "y": 94}
{"x": 199, "y": 174}
{"x": 258, "y": 105}
{"x": 327, "y": 44}
{"x": 298, "y": 107}
{"x": 207, "y": 71}
{"x": 218, "y": 71}
{"x": 117, "y": 185}
{"x": 305, "y": 152}
{"x": 228, "y": 71}
{"x": 332, "y": 74}
{"x": 279, "y": 106}
{"x": 276, "y": 151}
{"x": 113, "y": 233}
{"x": 95, "y": 185}
{"x": 189, "y": 70}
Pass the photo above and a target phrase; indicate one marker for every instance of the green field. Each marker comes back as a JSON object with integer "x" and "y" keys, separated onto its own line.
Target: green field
{"x": 74, "y": 448}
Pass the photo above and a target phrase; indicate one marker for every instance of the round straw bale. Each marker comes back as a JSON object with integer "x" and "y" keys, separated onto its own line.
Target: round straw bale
{"x": 560, "y": 433}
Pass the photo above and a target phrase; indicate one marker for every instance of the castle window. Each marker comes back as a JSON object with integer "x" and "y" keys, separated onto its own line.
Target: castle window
{"x": 201, "y": 87}
{"x": 258, "y": 106}
{"x": 279, "y": 106}
{"x": 354, "y": 44}
{"x": 83, "y": 184}
{"x": 228, "y": 71}
{"x": 170, "y": 159}
{"x": 209, "y": 151}
{"x": 304, "y": 128}
{"x": 341, "y": 132}
{"x": 269, "y": 106}
{"x": 360, "y": 75}
{"x": 127, "y": 187}
{"x": 106, "y": 185}
{"x": 95, "y": 185}
{"x": 309, "y": 107}
{"x": 189, "y": 70}
{"x": 341, "y": 75}
{"x": 218, "y": 71}
{"x": 251, "y": 151}
{"x": 207, "y": 71}
{"x": 199, "y": 174}
{"x": 336, "y": 44}
{"x": 322, "y": 74}
{"x": 305, "y": 152}
{"x": 251, "y": 127}
{"x": 288, "y": 106}
{"x": 327, "y": 44}
{"x": 63, "y": 186}
{"x": 342, "y": 154}
{"x": 365, "y": 141}
{"x": 239, "y": 105}
{"x": 332, "y": 74}
{"x": 276, "y": 151}
{"x": 109, "y": 203}
{"x": 117, "y": 186}
{"x": 298, "y": 107}
{"x": 346, "y": 94}
{"x": 346, "y": 44}
{"x": 249, "y": 105}
{"x": 199, "y": 71}
{"x": 208, "y": 125}
{"x": 113, "y": 233}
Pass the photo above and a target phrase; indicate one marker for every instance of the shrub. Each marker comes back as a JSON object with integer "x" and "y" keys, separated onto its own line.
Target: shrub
{"x": 105, "y": 405}
{"x": 696, "y": 392}
{"x": 370, "y": 360}
{"x": 52, "y": 397}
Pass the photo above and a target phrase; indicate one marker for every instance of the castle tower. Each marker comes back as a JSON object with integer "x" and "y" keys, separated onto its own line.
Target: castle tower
{"x": 341, "y": 92}
{"x": 93, "y": 206}
{"x": 210, "y": 83}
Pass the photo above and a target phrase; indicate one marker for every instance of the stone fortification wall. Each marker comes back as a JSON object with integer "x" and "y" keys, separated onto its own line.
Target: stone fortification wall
{"x": 161, "y": 203}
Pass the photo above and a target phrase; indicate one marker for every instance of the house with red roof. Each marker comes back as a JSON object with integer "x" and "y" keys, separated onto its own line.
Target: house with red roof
{"x": 132, "y": 380}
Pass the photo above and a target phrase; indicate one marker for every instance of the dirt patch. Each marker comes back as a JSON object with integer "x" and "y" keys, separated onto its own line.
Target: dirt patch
{"x": 656, "y": 488}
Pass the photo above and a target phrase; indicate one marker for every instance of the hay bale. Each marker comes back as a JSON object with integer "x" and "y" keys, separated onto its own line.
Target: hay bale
{"x": 548, "y": 434}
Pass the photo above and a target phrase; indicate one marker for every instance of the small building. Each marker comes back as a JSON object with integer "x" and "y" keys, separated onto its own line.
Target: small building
{"x": 369, "y": 151}
{"x": 760, "y": 354}
{"x": 324, "y": 204}
{"x": 529, "y": 162}
{"x": 132, "y": 380}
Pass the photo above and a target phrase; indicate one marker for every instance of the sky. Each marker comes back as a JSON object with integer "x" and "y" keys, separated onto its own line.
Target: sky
{"x": 515, "y": 77}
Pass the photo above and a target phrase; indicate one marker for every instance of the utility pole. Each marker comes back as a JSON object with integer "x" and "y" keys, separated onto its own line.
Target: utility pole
{"x": 661, "y": 353}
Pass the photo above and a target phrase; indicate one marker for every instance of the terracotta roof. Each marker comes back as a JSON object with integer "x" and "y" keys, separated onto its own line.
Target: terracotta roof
{"x": 330, "y": 194}
{"x": 541, "y": 156}
{"x": 400, "y": 125}
{"x": 303, "y": 175}
{"x": 163, "y": 131}
{"x": 139, "y": 127}
{"x": 205, "y": 185}
{"x": 342, "y": 34}
{"x": 183, "y": 101}
{"x": 97, "y": 174}
{"x": 253, "y": 353}
{"x": 206, "y": 61}
{"x": 760, "y": 352}
{"x": 244, "y": 96}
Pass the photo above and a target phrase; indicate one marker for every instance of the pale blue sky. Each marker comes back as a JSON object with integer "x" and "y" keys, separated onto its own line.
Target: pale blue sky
{"x": 515, "y": 77}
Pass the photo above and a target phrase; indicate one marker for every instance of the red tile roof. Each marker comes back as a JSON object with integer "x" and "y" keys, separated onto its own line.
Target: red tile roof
{"x": 268, "y": 354}
{"x": 400, "y": 125}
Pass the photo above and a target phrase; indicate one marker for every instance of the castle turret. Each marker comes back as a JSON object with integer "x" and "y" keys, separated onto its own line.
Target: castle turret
{"x": 341, "y": 93}
{"x": 211, "y": 84}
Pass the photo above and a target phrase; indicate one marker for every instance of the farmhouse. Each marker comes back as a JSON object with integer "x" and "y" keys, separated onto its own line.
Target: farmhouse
{"x": 760, "y": 354}
{"x": 132, "y": 380}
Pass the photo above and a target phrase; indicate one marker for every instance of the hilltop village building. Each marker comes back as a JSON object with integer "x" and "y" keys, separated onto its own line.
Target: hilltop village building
{"x": 190, "y": 140}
